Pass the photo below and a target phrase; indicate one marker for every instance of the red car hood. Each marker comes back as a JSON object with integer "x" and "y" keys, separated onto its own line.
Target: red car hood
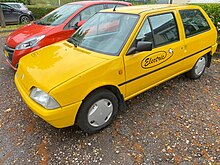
{"x": 26, "y": 32}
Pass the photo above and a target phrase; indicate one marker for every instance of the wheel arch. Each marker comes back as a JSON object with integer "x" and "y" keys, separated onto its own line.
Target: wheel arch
{"x": 209, "y": 59}
{"x": 115, "y": 91}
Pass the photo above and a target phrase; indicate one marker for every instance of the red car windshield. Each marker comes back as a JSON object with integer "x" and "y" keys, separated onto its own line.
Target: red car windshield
{"x": 59, "y": 15}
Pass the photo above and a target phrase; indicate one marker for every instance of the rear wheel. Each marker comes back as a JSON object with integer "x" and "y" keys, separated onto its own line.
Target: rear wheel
{"x": 24, "y": 19}
{"x": 198, "y": 68}
{"x": 97, "y": 111}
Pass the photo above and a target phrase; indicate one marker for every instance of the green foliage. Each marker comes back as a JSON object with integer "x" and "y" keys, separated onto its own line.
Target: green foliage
{"x": 213, "y": 10}
{"x": 19, "y": 1}
{"x": 40, "y": 11}
{"x": 50, "y": 2}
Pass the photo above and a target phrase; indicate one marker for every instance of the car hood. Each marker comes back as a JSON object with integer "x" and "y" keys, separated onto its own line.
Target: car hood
{"x": 51, "y": 66}
{"x": 26, "y": 32}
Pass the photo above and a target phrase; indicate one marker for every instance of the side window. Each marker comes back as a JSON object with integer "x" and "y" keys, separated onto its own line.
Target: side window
{"x": 87, "y": 13}
{"x": 5, "y": 7}
{"x": 193, "y": 22}
{"x": 15, "y": 6}
{"x": 74, "y": 21}
{"x": 145, "y": 33}
{"x": 109, "y": 6}
{"x": 84, "y": 15}
{"x": 164, "y": 29}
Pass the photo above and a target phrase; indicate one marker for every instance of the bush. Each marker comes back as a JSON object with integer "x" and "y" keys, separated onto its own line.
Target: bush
{"x": 40, "y": 11}
{"x": 213, "y": 10}
{"x": 19, "y": 1}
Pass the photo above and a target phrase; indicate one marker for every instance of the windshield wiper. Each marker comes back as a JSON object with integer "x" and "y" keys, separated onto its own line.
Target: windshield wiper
{"x": 74, "y": 41}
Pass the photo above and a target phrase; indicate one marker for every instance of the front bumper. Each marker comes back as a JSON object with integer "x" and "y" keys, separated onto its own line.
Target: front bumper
{"x": 59, "y": 118}
{"x": 13, "y": 56}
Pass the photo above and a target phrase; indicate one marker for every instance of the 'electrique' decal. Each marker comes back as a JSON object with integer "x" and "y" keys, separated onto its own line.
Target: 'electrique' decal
{"x": 155, "y": 59}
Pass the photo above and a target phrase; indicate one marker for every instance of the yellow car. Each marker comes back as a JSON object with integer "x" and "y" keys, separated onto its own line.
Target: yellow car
{"x": 117, "y": 54}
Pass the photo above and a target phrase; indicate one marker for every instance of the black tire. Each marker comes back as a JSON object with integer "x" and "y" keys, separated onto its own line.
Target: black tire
{"x": 24, "y": 19}
{"x": 104, "y": 98}
{"x": 198, "y": 69}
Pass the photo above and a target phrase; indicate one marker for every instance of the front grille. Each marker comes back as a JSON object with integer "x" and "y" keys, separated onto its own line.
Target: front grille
{"x": 10, "y": 52}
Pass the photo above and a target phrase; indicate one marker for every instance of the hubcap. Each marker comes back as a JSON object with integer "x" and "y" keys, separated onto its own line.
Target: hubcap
{"x": 24, "y": 19}
{"x": 100, "y": 112}
{"x": 200, "y": 66}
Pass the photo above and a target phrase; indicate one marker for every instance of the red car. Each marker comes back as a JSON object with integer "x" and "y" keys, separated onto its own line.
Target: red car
{"x": 58, "y": 25}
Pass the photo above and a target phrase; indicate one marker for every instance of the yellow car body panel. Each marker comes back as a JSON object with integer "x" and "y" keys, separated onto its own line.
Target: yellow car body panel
{"x": 59, "y": 118}
{"x": 69, "y": 74}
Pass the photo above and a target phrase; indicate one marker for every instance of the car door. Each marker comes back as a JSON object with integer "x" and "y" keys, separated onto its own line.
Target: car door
{"x": 11, "y": 15}
{"x": 146, "y": 69}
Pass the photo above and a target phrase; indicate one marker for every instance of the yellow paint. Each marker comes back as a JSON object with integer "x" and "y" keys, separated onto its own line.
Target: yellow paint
{"x": 6, "y": 53}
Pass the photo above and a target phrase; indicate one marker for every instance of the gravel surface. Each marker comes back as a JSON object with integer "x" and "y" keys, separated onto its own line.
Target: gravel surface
{"x": 177, "y": 122}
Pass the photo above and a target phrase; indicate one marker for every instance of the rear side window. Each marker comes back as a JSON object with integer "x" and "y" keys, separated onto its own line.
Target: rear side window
{"x": 194, "y": 22}
{"x": 90, "y": 11}
{"x": 164, "y": 29}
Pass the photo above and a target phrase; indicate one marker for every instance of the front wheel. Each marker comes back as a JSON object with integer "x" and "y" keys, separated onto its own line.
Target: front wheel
{"x": 198, "y": 68}
{"x": 24, "y": 19}
{"x": 97, "y": 111}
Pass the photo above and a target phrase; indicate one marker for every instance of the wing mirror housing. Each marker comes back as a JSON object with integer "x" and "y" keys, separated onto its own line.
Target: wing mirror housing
{"x": 141, "y": 46}
{"x": 78, "y": 24}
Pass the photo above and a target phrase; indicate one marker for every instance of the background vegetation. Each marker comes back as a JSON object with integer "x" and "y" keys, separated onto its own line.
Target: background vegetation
{"x": 213, "y": 10}
{"x": 42, "y": 7}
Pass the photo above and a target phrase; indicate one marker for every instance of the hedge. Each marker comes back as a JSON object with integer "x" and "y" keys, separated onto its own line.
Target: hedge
{"x": 213, "y": 10}
{"x": 40, "y": 11}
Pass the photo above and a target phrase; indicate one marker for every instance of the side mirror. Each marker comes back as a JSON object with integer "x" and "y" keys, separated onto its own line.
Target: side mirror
{"x": 144, "y": 46}
{"x": 141, "y": 46}
{"x": 11, "y": 9}
{"x": 78, "y": 24}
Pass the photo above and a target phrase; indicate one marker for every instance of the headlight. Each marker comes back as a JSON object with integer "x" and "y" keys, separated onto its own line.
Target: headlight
{"x": 43, "y": 99}
{"x": 29, "y": 43}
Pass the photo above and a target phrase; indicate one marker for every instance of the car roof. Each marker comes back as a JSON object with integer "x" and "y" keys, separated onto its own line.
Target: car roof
{"x": 148, "y": 8}
{"x": 99, "y": 2}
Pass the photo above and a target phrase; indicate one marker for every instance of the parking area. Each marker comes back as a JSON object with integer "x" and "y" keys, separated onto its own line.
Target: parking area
{"x": 177, "y": 122}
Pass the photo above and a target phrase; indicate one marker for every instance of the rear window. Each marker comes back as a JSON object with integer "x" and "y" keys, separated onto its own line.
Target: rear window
{"x": 194, "y": 22}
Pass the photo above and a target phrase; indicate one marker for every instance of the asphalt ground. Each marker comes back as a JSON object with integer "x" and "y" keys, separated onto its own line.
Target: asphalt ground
{"x": 177, "y": 122}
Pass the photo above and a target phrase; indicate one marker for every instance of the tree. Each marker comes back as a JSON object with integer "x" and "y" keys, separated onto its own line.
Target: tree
{"x": 2, "y": 18}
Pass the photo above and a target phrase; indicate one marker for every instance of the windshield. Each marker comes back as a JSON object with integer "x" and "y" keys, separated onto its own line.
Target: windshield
{"x": 105, "y": 32}
{"x": 59, "y": 15}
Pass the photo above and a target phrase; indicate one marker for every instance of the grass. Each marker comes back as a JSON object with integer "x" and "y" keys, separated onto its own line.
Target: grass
{"x": 10, "y": 28}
